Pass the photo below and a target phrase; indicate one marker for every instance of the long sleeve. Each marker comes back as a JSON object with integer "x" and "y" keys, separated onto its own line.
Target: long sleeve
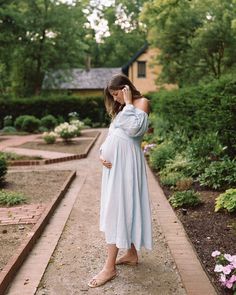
{"x": 132, "y": 120}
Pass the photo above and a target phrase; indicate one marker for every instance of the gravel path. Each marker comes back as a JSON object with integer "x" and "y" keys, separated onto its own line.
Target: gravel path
{"x": 81, "y": 252}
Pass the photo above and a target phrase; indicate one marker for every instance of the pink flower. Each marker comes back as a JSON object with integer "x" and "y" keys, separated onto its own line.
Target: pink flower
{"x": 228, "y": 284}
{"x": 233, "y": 262}
{"x": 219, "y": 268}
{"x": 227, "y": 269}
{"x": 222, "y": 279}
{"x": 215, "y": 253}
{"x": 233, "y": 279}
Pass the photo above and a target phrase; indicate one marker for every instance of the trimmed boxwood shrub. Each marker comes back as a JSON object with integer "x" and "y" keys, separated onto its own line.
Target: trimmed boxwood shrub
{"x": 9, "y": 129}
{"x": 19, "y": 121}
{"x": 30, "y": 124}
{"x": 49, "y": 122}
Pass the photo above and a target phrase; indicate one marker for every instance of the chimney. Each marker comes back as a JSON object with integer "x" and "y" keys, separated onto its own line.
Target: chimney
{"x": 88, "y": 63}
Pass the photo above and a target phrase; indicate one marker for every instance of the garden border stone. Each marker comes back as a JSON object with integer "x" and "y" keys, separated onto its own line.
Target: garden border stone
{"x": 57, "y": 160}
{"x": 9, "y": 271}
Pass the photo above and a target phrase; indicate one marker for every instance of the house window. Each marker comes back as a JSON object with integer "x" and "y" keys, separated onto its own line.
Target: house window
{"x": 141, "y": 69}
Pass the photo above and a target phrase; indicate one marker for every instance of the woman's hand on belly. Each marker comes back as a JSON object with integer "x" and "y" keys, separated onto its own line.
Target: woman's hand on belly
{"x": 105, "y": 163}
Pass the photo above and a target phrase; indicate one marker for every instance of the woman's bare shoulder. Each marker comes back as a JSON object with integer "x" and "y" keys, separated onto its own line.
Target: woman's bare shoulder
{"x": 142, "y": 103}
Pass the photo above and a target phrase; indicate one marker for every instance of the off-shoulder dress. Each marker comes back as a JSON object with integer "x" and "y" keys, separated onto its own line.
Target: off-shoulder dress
{"x": 125, "y": 213}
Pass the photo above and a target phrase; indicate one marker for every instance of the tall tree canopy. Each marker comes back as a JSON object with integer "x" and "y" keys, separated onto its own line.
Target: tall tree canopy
{"x": 37, "y": 35}
{"x": 126, "y": 34}
{"x": 197, "y": 38}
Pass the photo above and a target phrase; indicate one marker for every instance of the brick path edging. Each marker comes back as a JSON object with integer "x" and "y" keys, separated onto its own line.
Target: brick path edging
{"x": 26, "y": 246}
{"x": 57, "y": 160}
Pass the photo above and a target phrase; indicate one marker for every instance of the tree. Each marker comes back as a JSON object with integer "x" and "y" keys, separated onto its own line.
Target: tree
{"x": 196, "y": 38}
{"x": 44, "y": 35}
{"x": 125, "y": 33}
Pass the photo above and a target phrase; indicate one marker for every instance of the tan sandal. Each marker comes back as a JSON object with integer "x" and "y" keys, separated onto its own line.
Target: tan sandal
{"x": 100, "y": 282}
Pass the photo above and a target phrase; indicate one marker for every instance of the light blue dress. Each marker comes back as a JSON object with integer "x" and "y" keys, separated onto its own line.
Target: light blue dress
{"x": 125, "y": 215}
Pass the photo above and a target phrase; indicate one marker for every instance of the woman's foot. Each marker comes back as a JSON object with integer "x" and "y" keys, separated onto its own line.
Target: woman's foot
{"x": 129, "y": 258}
{"x": 102, "y": 278}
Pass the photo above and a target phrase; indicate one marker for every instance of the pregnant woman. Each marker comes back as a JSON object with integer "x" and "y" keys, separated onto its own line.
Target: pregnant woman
{"x": 125, "y": 215}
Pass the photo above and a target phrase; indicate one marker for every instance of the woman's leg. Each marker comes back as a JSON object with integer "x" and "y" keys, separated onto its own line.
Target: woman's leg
{"x": 131, "y": 255}
{"x": 109, "y": 269}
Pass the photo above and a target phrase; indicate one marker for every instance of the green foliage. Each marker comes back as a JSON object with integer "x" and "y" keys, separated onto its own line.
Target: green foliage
{"x": 126, "y": 35}
{"x": 219, "y": 174}
{"x": 9, "y": 156}
{"x": 160, "y": 154}
{"x": 192, "y": 35}
{"x": 30, "y": 124}
{"x": 171, "y": 178}
{"x": 226, "y": 200}
{"x": 205, "y": 147}
{"x": 3, "y": 168}
{"x": 9, "y": 130}
{"x": 9, "y": 198}
{"x": 179, "y": 163}
{"x": 185, "y": 199}
{"x": 49, "y": 122}
{"x": 7, "y": 121}
{"x": 57, "y": 105}
{"x": 19, "y": 121}
{"x": 36, "y": 35}
{"x": 207, "y": 111}
{"x": 87, "y": 121}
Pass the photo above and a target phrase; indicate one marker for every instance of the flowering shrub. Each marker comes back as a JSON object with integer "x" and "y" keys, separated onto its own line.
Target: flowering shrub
{"x": 226, "y": 269}
{"x": 49, "y": 137}
{"x": 78, "y": 124}
{"x": 73, "y": 116}
{"x": 66, "y": 131}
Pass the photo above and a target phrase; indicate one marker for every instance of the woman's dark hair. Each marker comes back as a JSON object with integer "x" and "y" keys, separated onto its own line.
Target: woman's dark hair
{"x": 118, "y": 82}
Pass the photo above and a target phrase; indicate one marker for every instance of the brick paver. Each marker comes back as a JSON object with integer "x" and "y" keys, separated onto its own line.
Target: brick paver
{"x": 26, "y": 214}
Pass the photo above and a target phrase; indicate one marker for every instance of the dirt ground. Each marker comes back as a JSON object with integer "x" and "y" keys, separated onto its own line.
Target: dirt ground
{"x": 37, "y": 187}
{"x": 77, "y": 145}
{"x": 11, "y": 237}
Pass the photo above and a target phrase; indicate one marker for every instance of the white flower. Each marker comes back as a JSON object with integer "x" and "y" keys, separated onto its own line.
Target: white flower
{"x": 228, "y": 257}
{"x": 218, "y": 268}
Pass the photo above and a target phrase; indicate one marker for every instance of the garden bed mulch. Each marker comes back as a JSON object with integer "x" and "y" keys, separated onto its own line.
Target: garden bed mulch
{"x": 38, "y": 187}
{"x": 75, "y": 146}
{"x": 208, "y": 231}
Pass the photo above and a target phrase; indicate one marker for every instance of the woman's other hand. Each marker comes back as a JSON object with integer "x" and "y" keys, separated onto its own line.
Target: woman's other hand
{"x": 105, "y": 163}
{"x": 127, "y": 95}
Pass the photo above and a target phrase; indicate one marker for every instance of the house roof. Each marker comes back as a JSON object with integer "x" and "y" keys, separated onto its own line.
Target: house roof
{"x": 125, "y": 68}
{"x": 95, "y": 78}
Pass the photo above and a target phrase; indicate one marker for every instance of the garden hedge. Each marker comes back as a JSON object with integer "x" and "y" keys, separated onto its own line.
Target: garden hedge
{"x": 200, "y": 109}
{"x": 56, "y": 105}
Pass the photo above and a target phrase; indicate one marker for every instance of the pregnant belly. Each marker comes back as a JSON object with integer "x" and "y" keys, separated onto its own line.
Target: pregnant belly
{"x": 108, "y": 149}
